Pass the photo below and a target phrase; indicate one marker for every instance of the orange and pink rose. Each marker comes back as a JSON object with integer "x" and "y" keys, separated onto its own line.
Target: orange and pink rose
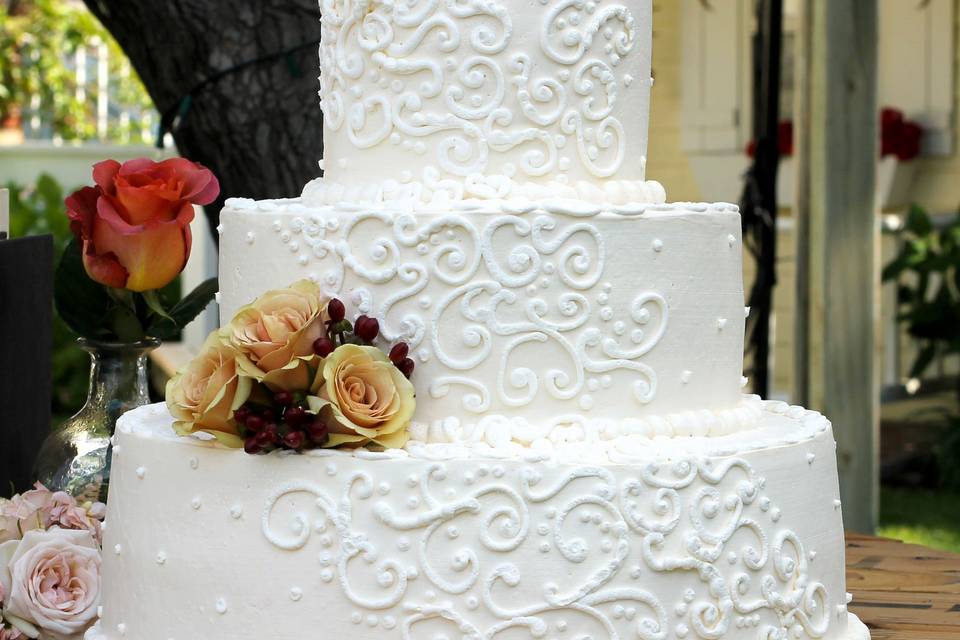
{"x": 134, "y": 225}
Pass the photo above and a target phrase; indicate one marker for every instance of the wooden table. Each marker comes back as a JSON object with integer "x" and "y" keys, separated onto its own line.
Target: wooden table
{"x": 904, "y": 591}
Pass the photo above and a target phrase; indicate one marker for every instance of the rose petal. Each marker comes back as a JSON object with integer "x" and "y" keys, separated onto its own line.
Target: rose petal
{"x": 104, "y": 174}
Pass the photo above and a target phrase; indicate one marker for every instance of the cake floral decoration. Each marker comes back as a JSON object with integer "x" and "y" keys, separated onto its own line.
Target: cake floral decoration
{"x": 290, "y": 372}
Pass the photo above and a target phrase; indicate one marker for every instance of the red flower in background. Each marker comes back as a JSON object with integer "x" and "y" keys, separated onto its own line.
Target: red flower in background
{"x": 784, "y": 140}
{"x": 134, "y": 226}
{"x": 898, "y": 136}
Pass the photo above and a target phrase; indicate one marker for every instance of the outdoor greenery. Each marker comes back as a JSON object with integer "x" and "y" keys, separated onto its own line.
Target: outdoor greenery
{"x": 925, "y": 517}
{"x": 39, "y": 40}
{"x": 38, "y": 209}
{"x": 927, "y": 272}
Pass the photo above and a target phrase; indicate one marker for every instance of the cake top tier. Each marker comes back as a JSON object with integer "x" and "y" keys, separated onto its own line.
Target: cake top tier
{"x": 470, "y": 96}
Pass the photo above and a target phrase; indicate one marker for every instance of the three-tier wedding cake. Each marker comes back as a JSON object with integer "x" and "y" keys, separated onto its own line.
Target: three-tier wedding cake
{"x": 581, "y": 462}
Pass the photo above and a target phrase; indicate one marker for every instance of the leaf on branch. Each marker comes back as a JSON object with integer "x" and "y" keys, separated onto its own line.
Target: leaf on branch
{"x": 184, "y": 312}
{"x": 82, "y": 303}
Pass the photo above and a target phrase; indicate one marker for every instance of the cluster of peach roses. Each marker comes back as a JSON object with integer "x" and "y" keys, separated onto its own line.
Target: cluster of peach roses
{"x": 49, "y": 565}
{"x": 291, "y": 372}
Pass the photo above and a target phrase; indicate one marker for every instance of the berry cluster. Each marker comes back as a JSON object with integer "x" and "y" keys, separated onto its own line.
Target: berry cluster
{"x": 363, "y": 331}
{"x": 283, "y": 423}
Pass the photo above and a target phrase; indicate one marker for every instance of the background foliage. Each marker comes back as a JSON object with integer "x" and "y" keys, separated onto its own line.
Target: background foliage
{"x": 35, "y": 210}
{"x": 39, "y": 40}
{"x": 927, "y": 272}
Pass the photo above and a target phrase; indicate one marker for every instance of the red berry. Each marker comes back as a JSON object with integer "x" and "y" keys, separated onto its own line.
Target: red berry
{"x": 323, "y": 346}
{"x": 283, "y": 398}
{"x": 295, "y": 440}
{"x": 294, "y": 416}
{"x": 241, "y": 414}
{"x": 367, "y": 329}
{"x": 255, "y": 423}
{"x": 406, "y": 367}
{"x": 252, "y": 446}
{"x": 268, "y": 415}
{"x": 318, "y": 431}
{"x": 271, "y": 434}
{"x": 399, "y": 352}
{"x": 263, "y": 439}
{"x": 336, "y": 310}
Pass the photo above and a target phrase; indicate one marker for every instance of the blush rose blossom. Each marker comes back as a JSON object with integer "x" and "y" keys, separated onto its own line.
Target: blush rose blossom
{"x": 367, "y": 397}
{"x": 205, "y": 394}
{"x": 134, "y": 225}
{"x": 52, "y": 579}
{"x": 274, "y": 336}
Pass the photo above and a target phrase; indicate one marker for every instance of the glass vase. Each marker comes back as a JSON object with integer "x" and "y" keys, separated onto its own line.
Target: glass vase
{"x": 75, "y": 457}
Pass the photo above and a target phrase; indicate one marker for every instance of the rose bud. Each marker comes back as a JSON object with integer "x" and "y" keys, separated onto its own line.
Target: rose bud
{"x": 336, "y": 311}
{"x": 319, "y": 432}
{"x": 367, "y": 329}
{"x": 295, "y": 440}
{"x": 134, "y": 226}
{"x": 269, "y": 415}
{"x": 251, "y": 446}
{"x": 406, "y": 367}
{"x": 399, "y": 352}
{"x": 323, "y": 347}
{"x": 271, "y": 433}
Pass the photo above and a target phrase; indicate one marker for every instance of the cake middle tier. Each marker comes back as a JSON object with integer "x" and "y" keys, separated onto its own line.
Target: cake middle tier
{"x": 624, "y": 319}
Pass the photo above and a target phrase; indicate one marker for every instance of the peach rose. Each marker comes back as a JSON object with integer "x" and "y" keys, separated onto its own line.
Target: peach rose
{"x": 204, "y": 395}
{"x": 134, "y": 226}
{"x": 53, "y": 580}
{"x": 275, "y": 335}
{"x": 367, "y": 398}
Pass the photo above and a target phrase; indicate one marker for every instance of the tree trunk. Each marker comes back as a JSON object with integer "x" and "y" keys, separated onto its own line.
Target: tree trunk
{"x": 259, "y": 127}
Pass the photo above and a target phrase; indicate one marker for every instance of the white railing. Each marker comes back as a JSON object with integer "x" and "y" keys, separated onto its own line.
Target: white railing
{"x": 100, "y": 83}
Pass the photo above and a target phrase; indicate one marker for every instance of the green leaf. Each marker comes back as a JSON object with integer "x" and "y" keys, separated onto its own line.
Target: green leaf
{"x": 924, "y": 358}
{"x": 153, "y": 301}
{"x": 918, "y": 222}
{"x": 82, "y": 303}
{"x": 184, "y": 312}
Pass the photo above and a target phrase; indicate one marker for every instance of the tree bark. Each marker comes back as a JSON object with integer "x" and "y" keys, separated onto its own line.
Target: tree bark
{"x": 259, "y": 127}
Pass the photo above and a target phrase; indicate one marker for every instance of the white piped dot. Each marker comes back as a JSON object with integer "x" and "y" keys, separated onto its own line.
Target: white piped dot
{"x": 296, "y": 594}
{"x": 196, "y": 503}
{"x": 141, "y": 472}
{"x": 161, "y": 558}
{"x": 221, "y": 606}
{"x": 236, "y": 512}
{"x": 118, "y": 549}
{"x": 658, "y": 245}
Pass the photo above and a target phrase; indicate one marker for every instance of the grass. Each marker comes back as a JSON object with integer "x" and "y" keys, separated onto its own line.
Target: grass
{"x": 926, "y": 517}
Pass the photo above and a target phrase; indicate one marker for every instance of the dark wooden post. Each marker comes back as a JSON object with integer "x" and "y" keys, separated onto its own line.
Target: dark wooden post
{"x": 26, "y": 309}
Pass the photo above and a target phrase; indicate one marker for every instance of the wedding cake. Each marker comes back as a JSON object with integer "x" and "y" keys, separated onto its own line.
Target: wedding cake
{"x": 581, "y": 462}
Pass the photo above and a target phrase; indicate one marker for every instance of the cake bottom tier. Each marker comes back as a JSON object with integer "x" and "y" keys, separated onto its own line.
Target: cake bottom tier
{"x": 733, "y": 537}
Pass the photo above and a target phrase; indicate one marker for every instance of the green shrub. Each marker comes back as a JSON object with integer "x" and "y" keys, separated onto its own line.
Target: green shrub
{"x": 36, "y": 210}
{"x": 929, "y": 306}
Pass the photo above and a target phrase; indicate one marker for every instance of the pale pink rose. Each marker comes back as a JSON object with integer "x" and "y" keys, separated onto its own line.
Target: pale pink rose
{"x": 64, "y": 512}
{"x": 54, "y": 579}
{"x": 11, "y": 634}
{"x": 24, "y": 512}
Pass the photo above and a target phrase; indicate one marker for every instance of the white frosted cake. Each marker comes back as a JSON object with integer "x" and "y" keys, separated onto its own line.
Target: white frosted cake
{"x": 581, "y": 462}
